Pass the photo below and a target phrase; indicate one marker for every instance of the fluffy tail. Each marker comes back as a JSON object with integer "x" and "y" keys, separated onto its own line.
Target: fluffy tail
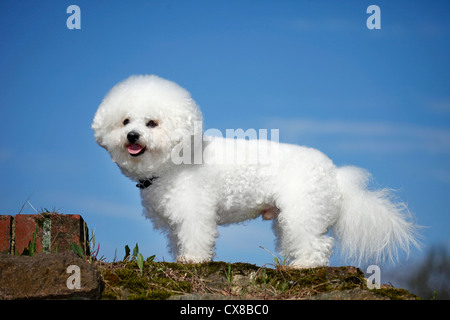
{"x": 371, "y": 227}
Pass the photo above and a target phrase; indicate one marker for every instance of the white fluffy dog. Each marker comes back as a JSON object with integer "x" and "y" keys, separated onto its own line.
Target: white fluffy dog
{"x": 190, "y": 184}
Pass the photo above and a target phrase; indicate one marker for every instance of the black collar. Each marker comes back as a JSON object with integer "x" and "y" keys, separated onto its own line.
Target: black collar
{"x": 144, "y": 184}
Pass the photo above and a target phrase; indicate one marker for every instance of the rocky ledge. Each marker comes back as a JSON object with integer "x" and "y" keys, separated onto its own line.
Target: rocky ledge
{"x": 66, "y": 276}
{"x": 48, "y": 276}
{"x": 220, "y": 280}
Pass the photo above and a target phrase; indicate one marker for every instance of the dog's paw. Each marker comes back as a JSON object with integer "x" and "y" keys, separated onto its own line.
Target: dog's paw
{"x": 185, "y": 259}
{"x": 302, "y": 264}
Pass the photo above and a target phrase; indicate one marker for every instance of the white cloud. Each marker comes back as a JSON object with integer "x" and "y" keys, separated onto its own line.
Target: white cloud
{"x": 321, "y": 25}
{"x": 367, "y": 136}
{"x": 441, "y": 107}
{"x": 5, "y": 154}
{"x": 111, "y": 208}
{"x": 441, "y": 175}
{"x": 95, "y": 204}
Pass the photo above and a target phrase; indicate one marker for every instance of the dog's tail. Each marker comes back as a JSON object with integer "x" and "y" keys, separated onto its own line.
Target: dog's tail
{"x": 371, "y": 227}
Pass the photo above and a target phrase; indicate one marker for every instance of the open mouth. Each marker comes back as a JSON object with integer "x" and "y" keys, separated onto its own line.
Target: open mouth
{"x": 135, "y": 150}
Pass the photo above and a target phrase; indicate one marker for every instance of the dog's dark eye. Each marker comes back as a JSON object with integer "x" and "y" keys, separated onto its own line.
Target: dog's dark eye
{"x": 152, "y": 123}
{"x": 126, "y": 121}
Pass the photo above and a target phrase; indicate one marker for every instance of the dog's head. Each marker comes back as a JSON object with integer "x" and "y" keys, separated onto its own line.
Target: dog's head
{"x": 141, "y": 120}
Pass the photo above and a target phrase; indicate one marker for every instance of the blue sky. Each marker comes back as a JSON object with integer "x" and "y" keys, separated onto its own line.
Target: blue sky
{"x": 378, "y": 99}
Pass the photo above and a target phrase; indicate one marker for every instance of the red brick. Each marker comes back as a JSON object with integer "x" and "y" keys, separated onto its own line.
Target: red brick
{"x": 55, "y": 231}
{"x": 25, "y": 228}
{"x": 67, "y": 229}
{"x": 5, "y": 233}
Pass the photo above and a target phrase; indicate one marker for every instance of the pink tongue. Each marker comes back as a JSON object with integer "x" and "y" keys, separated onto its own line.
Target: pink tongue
{"x": 134, "y": 148}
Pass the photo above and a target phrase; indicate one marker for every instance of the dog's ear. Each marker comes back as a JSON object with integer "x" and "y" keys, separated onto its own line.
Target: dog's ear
{"x": 96, "y": 126}
{"x": 101, "y": 128}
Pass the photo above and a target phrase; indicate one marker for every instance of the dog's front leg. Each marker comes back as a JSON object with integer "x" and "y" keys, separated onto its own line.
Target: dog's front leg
{"x": 195, "y": 235}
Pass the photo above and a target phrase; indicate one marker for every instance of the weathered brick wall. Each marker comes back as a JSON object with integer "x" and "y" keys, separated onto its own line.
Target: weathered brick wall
{"x": 5, "y": 233}
{"x": 54, "y": 232}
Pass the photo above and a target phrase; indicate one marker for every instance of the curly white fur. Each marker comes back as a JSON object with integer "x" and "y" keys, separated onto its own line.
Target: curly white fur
{"x": 298, "y": 187}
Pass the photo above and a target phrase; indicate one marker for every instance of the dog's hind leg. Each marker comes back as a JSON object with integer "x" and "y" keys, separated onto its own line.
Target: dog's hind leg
{"x": 301, "y": 228}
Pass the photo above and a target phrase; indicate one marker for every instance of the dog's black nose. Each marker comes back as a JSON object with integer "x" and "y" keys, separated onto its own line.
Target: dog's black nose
{"x": 133, "y": 136}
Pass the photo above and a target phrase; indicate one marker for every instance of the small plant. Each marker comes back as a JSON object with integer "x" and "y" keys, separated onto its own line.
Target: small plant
{"x": 135, "y": 252}
{"x": 140, "y": 262}
{"x": 136, "y": 256}
{"x": 127, "y": 253}
{"x": 229, "y": 276}
{"x": 94, "y": 252}
{"x": 31, "y": 250}
{"x": 279, "y": 263}
{"x": 264, "y": 279}
{"x": 434, "y": 297}
{"x": 82, "y": 251}
{"x": 78, "y": 250}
